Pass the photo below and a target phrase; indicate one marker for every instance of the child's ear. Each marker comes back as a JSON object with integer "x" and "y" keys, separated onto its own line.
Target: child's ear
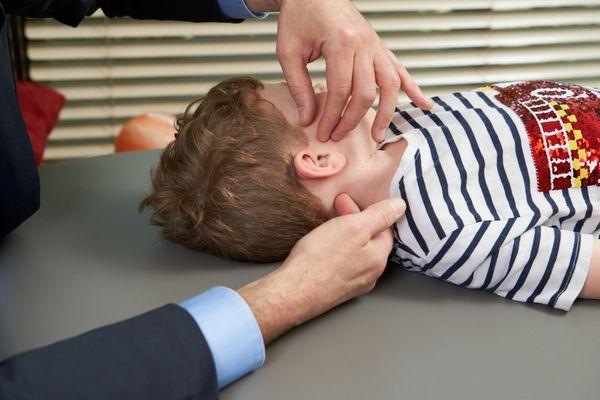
{"x": 316, "y": 165}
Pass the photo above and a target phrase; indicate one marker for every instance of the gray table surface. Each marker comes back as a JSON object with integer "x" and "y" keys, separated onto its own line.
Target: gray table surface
{"x": 87, "y": 258}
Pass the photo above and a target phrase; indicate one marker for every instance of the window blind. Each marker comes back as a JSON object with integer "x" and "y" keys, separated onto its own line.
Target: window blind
{"x": 113, "y": 69}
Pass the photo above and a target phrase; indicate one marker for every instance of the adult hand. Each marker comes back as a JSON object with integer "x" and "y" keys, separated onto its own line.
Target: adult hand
{"x": 339, "y": 260}
{"x": 357, "y": 62}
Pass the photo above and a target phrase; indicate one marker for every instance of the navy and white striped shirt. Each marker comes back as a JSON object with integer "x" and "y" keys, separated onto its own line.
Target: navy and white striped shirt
{"x": 502, "y": 189}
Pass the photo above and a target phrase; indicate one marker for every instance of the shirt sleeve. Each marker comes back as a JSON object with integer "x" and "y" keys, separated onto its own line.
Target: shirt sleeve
{"x": 542, "y": 264}
{"x": 231, "y": 331}
{"x": 239, "y": 10}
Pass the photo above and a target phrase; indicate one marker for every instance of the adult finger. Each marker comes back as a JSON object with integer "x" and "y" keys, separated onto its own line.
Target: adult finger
{"x": 339, "y": 67}
{"x": 410, "y": 87}
{"x": 389, "y": 83}
{"x": 382, "y": 242}
{"x": 379, "y": 248}
{"x": 381, "y": 215}
{"x": 363, "y": 95}
{"x": 299, "y": 83}
{"x": 344, "y": 205}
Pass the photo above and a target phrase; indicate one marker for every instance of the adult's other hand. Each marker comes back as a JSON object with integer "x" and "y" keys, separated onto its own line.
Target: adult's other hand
{"x": 357, "y": 62}
{"x": 339, "y": 260}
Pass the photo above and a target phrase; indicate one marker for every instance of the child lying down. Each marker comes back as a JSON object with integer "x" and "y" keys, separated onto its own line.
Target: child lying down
{"x": 501, "y": 184}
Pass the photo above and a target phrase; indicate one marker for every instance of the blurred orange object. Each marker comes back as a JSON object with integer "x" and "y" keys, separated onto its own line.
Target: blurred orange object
{"x": 146, "y": 131}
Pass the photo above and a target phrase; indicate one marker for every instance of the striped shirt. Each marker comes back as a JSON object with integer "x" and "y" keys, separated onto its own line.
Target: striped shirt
{"x": 501, "y": 187}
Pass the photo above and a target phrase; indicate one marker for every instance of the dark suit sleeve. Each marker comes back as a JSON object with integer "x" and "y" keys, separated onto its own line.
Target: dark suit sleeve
{"x": 71, "y": 12}
{"x": 19, "y": 181}
{"x": 158, "y": 355}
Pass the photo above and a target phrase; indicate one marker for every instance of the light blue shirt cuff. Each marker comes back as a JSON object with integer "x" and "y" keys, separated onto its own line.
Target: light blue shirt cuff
{"x": 239, "y": 10}
{"x": 231, "y": 331}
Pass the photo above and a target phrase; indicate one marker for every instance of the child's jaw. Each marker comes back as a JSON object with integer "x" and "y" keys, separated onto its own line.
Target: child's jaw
{"x": 367, "y": 172}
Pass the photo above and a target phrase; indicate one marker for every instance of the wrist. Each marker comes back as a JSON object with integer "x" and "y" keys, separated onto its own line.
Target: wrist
{"x": 276, "y": 303}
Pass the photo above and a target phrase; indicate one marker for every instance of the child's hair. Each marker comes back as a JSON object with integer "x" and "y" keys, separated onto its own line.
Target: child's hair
{"x": 226, "y": 185}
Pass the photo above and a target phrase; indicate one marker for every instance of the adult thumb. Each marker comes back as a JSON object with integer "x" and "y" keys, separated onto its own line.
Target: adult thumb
{"x": 380, "y": 216}
{"x": 344, "y": 205}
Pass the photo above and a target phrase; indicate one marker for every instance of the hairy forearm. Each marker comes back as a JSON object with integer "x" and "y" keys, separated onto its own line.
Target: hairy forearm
{"x": 268, "y": 308}
{"x": 259, "y": 6}
{"x": 277, "y": 304}
{"x": 591, "y": 287}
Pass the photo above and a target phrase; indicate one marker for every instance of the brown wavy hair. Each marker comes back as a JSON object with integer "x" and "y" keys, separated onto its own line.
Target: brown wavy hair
{"x": 226, "y": 185}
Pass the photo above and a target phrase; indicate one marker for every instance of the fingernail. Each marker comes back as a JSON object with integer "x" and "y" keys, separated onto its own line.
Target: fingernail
{"x": 398, "y": 205}
{"x": 377, "y": 136}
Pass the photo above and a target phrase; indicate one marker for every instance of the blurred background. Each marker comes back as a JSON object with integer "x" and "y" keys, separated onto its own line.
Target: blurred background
{"x": 110, "y": 70}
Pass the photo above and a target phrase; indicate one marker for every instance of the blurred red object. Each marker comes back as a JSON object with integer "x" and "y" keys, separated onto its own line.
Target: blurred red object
{"x": 145, "y": 132}
{"x": 40, "y": 106}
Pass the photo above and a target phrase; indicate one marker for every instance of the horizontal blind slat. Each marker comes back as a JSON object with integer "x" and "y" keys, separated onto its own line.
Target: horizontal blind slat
{"x": 415, "y": 5}
{"x": 55, "y": 153}
{"x": 423, "y": 60}
{"x": 133, "y": 92}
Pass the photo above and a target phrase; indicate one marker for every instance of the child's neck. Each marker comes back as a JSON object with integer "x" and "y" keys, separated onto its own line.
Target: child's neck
{"x": 377, "y": 175}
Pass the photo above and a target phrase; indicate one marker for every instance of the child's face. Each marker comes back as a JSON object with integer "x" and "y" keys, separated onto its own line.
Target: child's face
{"x": 326, "y": 168}
{"x": 357, "y": 144}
